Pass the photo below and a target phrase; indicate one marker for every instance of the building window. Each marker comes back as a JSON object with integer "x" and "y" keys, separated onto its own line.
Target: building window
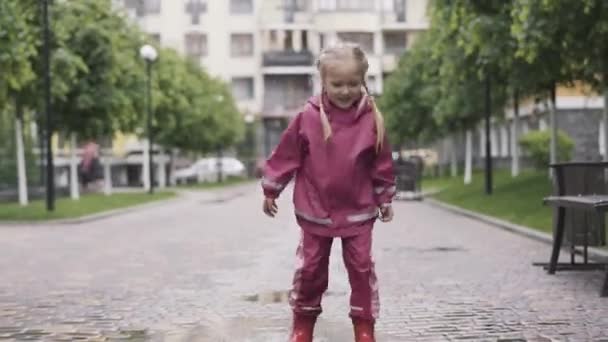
{"x": 288, "y": 41}
{"x": 396, "y": 7}
{"x": 155, "y": 37}
{"x": 195, "y": 8}
{"x": 242, "y": 88}
{"x": 364, "y": 39}
{"x": 346, "y": 5}
{"x": 400, "y": 10}
{"x": 241, "y": 6}
{"x": 305, "y": 40}
{"x": 144, "y": 7}
{"x": 241, "y": 45}
{"x": 273, "y": 38}
{"x": 395, "y": 42}
{"x": 291, "y": 7}
{"x": 296, "y": 5}
{"x": 196, "y": 44}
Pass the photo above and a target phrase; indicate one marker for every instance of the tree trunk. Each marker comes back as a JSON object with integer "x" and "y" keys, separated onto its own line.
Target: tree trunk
{"x": 74, "y": 191}
{"x": 453, "y": 157}
{"x": 162, "y": 174}
{"x": 172, "y": 167}
{"x": 468, "y": 158}
{"x": 145, "y": 169}
{"x": 21, "y": 174}
{"x": 515, "y": 136}
{"x": 107, "y": 175}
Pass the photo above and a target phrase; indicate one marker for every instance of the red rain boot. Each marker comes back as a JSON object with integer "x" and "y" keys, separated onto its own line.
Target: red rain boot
{"x": 364, "y": 330}
{"x": 303, "y": 327}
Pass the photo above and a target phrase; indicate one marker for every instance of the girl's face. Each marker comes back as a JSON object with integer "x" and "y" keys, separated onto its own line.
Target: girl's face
{"x": 342, "y": 82}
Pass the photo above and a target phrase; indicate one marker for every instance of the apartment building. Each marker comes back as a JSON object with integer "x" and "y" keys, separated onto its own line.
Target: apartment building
{"x": 265, "y": 49}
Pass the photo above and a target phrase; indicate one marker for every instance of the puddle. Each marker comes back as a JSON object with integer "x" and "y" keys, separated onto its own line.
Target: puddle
{"x": 274, "y": 297}
{"x": 268, "y": 297}
{"x": 446, "y": 249}
{"x": 223, "y": 199}
{"x": 441, "y": 249}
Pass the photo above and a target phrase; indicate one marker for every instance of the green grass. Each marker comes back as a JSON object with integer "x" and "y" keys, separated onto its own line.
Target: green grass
{"x": 214, "y": 185}
{"x": 68, "y": 208}
{"x": 517, "y": 200}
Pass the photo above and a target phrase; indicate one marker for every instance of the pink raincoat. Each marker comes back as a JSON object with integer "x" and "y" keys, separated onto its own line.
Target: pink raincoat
{"x": 339, "y": 183}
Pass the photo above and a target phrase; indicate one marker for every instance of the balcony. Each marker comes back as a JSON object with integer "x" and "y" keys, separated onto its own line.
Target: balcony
{"x": 287, "y": 58}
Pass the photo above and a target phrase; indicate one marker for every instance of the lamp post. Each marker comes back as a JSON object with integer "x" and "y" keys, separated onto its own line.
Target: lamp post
{"x": 50, "y": 172}
{"x": 149, "y": 55}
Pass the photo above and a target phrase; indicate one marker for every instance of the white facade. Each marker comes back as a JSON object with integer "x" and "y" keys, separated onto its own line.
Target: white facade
{"x": 206, "y": 29}
{"x": 266, "y": 48}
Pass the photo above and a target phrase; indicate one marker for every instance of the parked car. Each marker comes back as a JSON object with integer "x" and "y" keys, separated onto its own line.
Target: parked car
{"x": 206, "y": 170}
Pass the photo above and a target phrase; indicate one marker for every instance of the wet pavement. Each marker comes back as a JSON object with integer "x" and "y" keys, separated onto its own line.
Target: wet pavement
{"x": 214, "y": 268}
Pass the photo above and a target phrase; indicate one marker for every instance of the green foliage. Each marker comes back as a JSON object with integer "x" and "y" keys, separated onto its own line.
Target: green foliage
{"x": 549, "y": 36}
{"x": 537, "y": 144}
{"x": 524, "y": 46}
{"x": 87, "y": 205}
{"x": 99, "y": 79}
{"x": 408, "y": 97}
{"x": 192, "y": 111}
{"x": 439, "y": 86}
{"x": 100, "y": 96}
{"x": 517, "y": 200}
{"x": 17, "y": 46}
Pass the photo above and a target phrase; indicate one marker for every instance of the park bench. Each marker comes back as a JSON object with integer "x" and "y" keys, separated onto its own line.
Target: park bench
{"x": 580, "y": 199}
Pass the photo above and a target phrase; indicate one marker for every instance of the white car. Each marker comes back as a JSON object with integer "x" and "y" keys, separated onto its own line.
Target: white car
{"x": 206, "y": 170}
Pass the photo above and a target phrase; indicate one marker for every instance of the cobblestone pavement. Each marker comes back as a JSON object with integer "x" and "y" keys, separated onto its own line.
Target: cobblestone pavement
{"x": 209, "y": 268}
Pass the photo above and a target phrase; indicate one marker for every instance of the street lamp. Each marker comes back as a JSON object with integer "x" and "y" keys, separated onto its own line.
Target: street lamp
{"x": 50, "y": 172}
{"x": 149, "y": 54}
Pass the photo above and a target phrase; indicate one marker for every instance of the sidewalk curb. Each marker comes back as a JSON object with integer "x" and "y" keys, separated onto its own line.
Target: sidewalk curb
{"x": 225, "y": 194}
{"x": 594, "y": 253}
{"x": 94, "y": 217}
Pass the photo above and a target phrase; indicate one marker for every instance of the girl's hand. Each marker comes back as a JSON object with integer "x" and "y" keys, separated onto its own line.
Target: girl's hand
{"x": 386, "y": 213}
{"x": 270, "y": 207}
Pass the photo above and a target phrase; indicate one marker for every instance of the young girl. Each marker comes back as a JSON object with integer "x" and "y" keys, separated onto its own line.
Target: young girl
{"x": 339, "y": 151}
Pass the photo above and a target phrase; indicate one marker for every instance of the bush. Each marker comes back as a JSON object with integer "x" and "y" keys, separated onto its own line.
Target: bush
{"x": 537, "y": 144}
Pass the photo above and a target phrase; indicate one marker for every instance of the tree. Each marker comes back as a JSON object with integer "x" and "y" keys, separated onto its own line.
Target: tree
{"x": 585, "y": 42}
{"x": 17, "y": 47}
{"x": 103, "y": 93}
{"x": 547, "y": 35}
{"x": 409, "y": 94}
{"x": 192, "y": 111}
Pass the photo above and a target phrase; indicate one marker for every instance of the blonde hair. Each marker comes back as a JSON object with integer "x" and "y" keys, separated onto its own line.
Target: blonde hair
{"x": 350, "y": 50}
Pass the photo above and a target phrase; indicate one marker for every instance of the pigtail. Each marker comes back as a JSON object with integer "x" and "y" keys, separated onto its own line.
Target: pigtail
{"x": 378, "y": 118}
{"x": 324, "y": 120}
